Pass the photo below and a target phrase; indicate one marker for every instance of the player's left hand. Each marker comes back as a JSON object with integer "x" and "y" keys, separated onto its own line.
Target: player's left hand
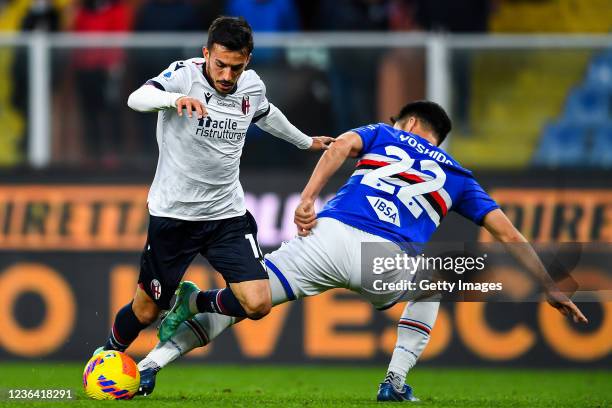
{"x": 321, "y": 143}
{"x": 305, "y": 217}
{"x": 565, "y": 306}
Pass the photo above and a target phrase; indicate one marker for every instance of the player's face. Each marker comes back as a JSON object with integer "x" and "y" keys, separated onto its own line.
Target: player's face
{"x": 224, "y": 66}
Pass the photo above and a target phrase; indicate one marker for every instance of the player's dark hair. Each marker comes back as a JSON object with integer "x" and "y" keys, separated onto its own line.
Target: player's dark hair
{"x": 234, "y": 33}
{"x": 430, "y": 114}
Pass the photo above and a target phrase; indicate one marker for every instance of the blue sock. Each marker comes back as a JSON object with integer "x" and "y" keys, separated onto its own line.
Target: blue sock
{"x": 125, "y": 329}
{"x": 220, "y": 301}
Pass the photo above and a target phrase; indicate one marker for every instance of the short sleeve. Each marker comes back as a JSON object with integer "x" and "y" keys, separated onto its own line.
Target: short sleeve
{"x": 175, "y": 78}
{"x": 263, "y": 108}
{"x": 368, "y": 134}
{"x": 474, "y": 203}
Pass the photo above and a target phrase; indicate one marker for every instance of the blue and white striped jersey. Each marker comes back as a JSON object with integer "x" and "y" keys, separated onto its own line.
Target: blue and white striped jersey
{"x": 403, "y": 186}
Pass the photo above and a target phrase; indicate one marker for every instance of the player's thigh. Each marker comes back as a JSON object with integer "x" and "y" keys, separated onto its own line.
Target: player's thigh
{"x": 307, "y": 266}
{"x": 234, "y": 252}
{"x": 384, "y": 288}
{"x": 170, "y": 248}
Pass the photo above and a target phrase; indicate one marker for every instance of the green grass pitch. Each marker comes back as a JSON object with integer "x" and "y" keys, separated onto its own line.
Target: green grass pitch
{"x": 205, "y": 385}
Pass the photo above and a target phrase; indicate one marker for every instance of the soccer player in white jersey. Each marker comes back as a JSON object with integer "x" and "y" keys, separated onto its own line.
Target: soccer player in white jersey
{"x": 196, "y": 202}
{"x": 402, "y": 188}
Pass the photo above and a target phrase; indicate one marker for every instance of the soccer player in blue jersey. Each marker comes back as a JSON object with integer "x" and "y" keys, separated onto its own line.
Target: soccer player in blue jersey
{"x": 402, "y": 188}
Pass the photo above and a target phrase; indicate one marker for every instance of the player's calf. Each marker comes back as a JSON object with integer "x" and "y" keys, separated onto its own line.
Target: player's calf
{"x": 254, "y": 296}
{"x": 224, "y": 301}
{"x": 126, "y": 328}
{"x": 130, "y": 320}
{"x": 146, "y": 311}
{"x": 253, "y": 300}
{"x": 257, "y": 308}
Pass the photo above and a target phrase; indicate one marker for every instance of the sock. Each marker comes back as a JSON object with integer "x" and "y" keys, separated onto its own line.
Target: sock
{"x": 125, "y": 329}
{"x": 220, "y": 301}
{"x": 413, "y": 332}
{"x": 395, "y": 379}
{"x": 191, "y": 334}
{"x": 146, "y": 364}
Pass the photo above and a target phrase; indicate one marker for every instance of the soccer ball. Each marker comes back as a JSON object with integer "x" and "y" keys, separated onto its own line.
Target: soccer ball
{"x": 111, "y": 375}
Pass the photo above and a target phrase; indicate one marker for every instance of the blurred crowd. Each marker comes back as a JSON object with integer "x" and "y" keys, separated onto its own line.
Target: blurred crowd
{"x": 264, "y": 15}
{"x": 90, "y": 86}
{"x": 97, "y": 129}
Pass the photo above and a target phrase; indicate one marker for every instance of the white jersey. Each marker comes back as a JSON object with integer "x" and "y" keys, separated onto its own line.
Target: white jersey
{"x": 197, "y": 176}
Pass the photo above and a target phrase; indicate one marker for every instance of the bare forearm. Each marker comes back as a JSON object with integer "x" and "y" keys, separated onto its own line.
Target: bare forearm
{"x": 503, "y": 231}
{"x": 524, "y": 253}
{"x": 327, "y": 166}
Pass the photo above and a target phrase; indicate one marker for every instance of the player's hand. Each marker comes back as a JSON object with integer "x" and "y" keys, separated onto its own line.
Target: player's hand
{"x": 321, "y": 143}
{"x": 192, "y": 105}
{"x": 565, "y": 306}
{"x": 305, "y": 217}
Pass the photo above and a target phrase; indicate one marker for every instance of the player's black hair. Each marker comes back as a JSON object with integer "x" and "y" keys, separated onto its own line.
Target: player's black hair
{"x": 234, "y": 33}
{"x": 430, "y": 114}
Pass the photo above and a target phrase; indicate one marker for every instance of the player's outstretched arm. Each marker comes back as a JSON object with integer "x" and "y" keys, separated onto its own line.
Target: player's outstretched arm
{"x": 148, "y": 98}
{"x": 277, "y": 124}
{"x": 347, "y": 145}
{"x": 504, "y": 231}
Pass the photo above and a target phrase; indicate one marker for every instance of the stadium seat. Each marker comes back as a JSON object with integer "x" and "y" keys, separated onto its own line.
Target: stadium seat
{"x": 599, "y": 73}
{"x": 583, "y": 134}
{"x": 601, "y": 151}
{"x": 588, "y": 105}
{"x": 564, "y": 144}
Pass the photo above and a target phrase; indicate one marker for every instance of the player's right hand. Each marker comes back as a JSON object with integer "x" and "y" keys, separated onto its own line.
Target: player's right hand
{"x": 565, "y": 306}
{"x": 305, "y": 217}
{"x": 191, "y": 104}
{"x": 321, "y": 143}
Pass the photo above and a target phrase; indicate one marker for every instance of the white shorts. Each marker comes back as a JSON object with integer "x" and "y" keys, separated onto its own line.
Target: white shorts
{"x": 330, "y": 257}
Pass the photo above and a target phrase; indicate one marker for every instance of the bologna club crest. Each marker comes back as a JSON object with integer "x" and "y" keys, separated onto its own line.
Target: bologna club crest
{"x": 245, "y": 104}
{"x": 156, "y": 289}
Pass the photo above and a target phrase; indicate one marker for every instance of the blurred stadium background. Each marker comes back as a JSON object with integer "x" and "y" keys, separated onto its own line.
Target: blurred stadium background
{"x": 528, "y": 85}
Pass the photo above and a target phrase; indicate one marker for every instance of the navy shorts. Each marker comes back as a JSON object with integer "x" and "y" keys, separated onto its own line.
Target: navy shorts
{"x": 229, "y": 245}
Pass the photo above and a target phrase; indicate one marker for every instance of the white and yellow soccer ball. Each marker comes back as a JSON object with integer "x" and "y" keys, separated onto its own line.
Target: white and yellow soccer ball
{"x": 111, "y": 375}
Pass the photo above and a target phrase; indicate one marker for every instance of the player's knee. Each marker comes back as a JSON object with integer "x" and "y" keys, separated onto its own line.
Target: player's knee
{"x": 257, "y": 308}
{"x": 146, "y": 313}
{"x": 145, "y": 309}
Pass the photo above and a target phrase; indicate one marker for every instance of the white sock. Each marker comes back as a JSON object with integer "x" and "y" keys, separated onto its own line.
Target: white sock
{"x": 412, "y": 337}
{"x": 148, "y": 363}
{"x": 191, "y": 334}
